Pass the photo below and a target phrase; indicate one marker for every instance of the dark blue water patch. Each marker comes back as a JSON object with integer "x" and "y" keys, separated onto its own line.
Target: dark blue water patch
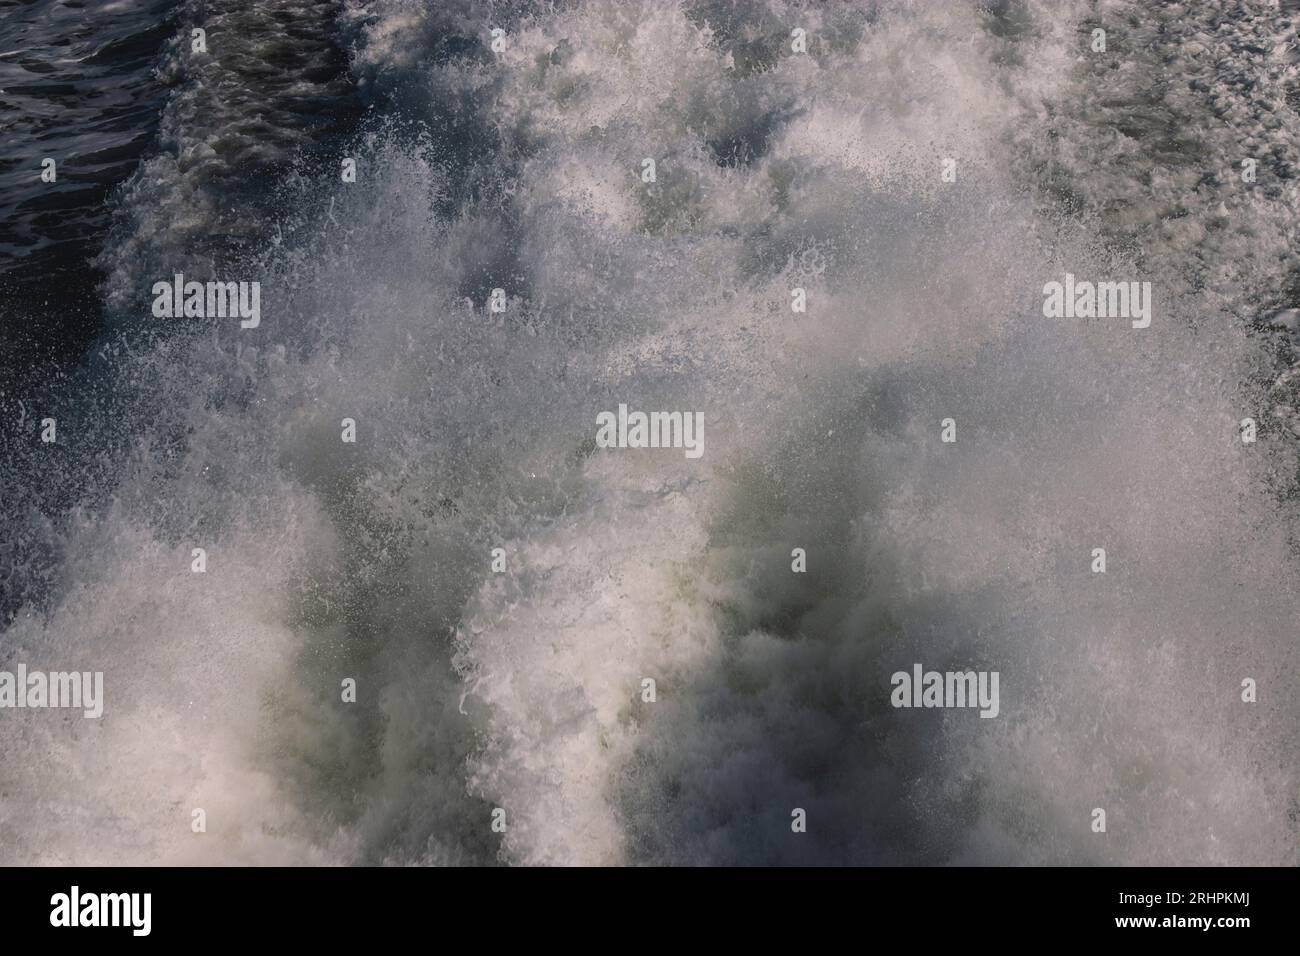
{"x": 77, "y": 85}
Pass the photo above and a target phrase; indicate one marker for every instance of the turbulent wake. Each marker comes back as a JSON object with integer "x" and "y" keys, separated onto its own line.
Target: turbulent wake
{"x": 499, "y": 564}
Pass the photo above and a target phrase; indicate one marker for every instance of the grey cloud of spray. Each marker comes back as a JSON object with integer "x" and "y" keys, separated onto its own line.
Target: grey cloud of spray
{"x": 521, "y": 690}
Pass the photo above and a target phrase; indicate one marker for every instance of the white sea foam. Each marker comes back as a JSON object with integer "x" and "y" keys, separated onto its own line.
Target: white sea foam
{"x": 521, "y": 690}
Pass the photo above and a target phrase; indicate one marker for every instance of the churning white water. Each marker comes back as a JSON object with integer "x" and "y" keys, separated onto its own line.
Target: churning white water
{"x": 522, "y": 170}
